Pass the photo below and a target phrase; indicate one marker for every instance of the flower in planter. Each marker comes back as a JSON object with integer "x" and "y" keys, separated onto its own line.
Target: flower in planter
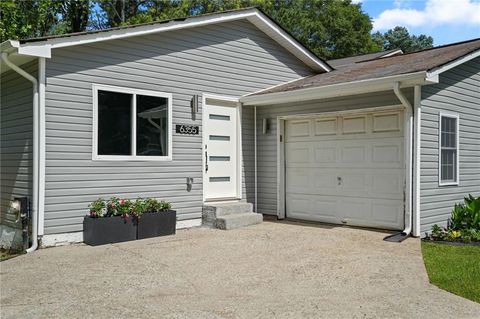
{"x": 98, "y": 208}
{"x": 139, "y": 207}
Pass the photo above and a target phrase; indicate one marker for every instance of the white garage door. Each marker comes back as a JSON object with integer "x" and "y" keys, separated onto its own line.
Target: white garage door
{"x": 346, "y": 169}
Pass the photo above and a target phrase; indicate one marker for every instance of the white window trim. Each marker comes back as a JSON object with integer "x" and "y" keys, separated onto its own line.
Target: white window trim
{"x": 457, "y": 180}
{"x": 119, "y": 89}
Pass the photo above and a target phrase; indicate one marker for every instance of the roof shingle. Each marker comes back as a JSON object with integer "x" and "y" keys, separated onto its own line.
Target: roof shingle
{"x": 424, "y": 60}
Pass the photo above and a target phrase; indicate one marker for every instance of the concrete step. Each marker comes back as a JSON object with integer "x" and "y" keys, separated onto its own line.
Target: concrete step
{"x": 234, "y": 221}
{"x": 211, "y": 212}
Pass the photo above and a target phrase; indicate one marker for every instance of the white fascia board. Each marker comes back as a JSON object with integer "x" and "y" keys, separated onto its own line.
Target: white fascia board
{"x": 436, "y": 71}
{"x": 37, "y": 51}
{"x": 42, "y": 48}
{"x": 9, "y": 45}
{"x": 342, "y": 89}
{"x": 265, "y": 24}
{"x": 399, "y": 51}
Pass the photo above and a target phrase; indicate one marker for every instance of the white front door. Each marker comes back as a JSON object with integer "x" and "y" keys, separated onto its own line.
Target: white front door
{"x": 220, "y": 123}
{"x": 346, "y": 169}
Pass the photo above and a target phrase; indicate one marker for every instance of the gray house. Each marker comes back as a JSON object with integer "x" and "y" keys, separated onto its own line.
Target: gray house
{"x": 228, "y": 108}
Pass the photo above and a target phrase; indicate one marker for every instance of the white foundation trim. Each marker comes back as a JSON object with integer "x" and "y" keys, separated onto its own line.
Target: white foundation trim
{"x": 55, "y": 240}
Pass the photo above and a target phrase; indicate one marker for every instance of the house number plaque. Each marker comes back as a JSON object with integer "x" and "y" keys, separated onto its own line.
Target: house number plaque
{"x": 187, "y": 129}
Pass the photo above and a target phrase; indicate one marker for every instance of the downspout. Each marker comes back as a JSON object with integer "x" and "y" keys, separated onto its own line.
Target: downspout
{"x": 417, "y": 157}
{"x": 255, "y": 153}
{"x": 408, "y": 160}
{"x": 35, "y": 148}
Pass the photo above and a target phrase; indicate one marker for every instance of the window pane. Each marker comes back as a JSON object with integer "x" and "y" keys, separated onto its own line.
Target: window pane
{"x": 449, "y": 165}
{"x": 114, "y": 123}
{"x": 449, "y": 131}
{"x": 152, "y": 126}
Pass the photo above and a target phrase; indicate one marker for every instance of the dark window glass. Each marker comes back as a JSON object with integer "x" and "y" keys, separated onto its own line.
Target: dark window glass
{"x": 448, "y": 160}
{"x": 152, "y": 126}
{"x": 114, "y": 123}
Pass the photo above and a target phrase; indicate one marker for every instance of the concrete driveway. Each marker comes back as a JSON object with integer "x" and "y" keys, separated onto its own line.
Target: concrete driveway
{"x": 271, "y": 270}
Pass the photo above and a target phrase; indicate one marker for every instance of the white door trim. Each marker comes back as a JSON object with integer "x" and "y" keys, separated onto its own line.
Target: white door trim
{"x": 206, "y": 96}
{"x": 281, "y": 186}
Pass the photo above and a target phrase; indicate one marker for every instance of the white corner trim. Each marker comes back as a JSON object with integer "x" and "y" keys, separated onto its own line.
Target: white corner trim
{"x": 96, "y": 157}
{"x": 416, "y": 143}
{"x": 438, "y": 70}
{"x": 455, "y": 116}
{"x": 41, "y": 141}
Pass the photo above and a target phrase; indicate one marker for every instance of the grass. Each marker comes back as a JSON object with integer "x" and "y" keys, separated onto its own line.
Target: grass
{"x": 454, "y": 268}
{"x": 6, "y": 254}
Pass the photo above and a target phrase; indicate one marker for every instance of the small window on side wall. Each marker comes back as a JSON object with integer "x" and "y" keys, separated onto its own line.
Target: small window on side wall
{"x": 131, "y": 124}
{"x": 448, "y": 150}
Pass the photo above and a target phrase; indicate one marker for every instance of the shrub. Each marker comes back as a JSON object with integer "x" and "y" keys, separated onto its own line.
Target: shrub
{"x": 464, "y": 223}
{"x": 466, "y": 215}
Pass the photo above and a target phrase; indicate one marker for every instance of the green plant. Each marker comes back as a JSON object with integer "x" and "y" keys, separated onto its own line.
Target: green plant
{"x": 125, "y": 207}
{"x": 466, "y": 215}
{"x": 139, "y": 207}
{"x": 438, "y": 233}
{"x": 98, "y": 208}
{"x": 153, "y": 205}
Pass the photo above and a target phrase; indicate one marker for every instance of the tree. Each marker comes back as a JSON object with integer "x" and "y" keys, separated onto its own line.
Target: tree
{"x": 400, "y": 38}
{"x": 27, "y": 19}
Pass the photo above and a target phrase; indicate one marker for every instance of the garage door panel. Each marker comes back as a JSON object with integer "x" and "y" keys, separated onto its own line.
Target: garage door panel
{"x": 306, "y": 207}
{"x": 346, "y": 169}
{"x": 387, "y": 212}
{"x": 388, "y": 184}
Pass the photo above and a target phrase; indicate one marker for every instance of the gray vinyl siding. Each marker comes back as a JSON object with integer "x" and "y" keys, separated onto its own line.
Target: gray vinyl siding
{"x": 16, "y": 120}
{"x": 228, "y": 59}
{"x": 458, "y": 92}
{"x": 267, "y": 144}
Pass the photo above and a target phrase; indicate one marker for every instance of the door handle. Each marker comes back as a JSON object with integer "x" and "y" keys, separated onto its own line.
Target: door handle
{"x": 206, "y": 161}
{"x": 339, "y": 180}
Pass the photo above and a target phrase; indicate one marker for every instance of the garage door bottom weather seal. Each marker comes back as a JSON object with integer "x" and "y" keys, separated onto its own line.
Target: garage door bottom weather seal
{"x": 397, "y": 238}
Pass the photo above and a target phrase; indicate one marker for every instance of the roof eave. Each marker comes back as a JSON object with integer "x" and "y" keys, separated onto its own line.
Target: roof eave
{"x": 450, "y": 65}
{"x": 255, "y": 16}
{"x": 341, "y": 89}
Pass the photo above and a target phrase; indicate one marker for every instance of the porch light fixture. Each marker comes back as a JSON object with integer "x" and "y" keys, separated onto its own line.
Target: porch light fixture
{"x": 265, "y": 125}
{"x": 194, "y": 104}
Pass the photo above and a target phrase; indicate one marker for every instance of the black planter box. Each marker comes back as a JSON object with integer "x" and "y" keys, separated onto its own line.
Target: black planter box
{"x": 157, "y": 224}
{"x": 107, "y": 230}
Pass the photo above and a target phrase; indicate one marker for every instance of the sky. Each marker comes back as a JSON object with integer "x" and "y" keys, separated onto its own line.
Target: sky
{"x": 447, "y": 21}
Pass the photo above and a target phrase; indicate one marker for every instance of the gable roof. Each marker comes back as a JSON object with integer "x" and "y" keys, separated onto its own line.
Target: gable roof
{"x": 42, "y": 46}
{"x": 430, "y": 61}
{"x": 336, "y": 63}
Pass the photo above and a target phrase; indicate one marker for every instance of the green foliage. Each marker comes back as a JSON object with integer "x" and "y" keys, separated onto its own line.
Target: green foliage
{"x": 330, "y": 28}
{"x": 464, "y": 223}
{"x": 400, "y": 38}
{"x": 125, "y": 207}
{"x": 454, "y": 268}
{"x": 98, "y": 208}
{"x": 27, "y": 19}
{"x": 466, "y": 215}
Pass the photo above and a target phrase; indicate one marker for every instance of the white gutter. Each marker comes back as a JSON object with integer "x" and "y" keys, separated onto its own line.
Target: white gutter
{"x": 340, "y": 89}
{"x": 35, "y": 149}
{"x": 408, "y": 158}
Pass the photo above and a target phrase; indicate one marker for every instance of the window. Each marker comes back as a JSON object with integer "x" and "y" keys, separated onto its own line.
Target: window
{"x": 448, "y": 150}
{"x": 131, "y": 124}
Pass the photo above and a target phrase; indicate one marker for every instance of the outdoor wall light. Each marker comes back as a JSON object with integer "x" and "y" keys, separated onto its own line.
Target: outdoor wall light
{"x": 265, "y": 125}
{"x": 194, "y": 104}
